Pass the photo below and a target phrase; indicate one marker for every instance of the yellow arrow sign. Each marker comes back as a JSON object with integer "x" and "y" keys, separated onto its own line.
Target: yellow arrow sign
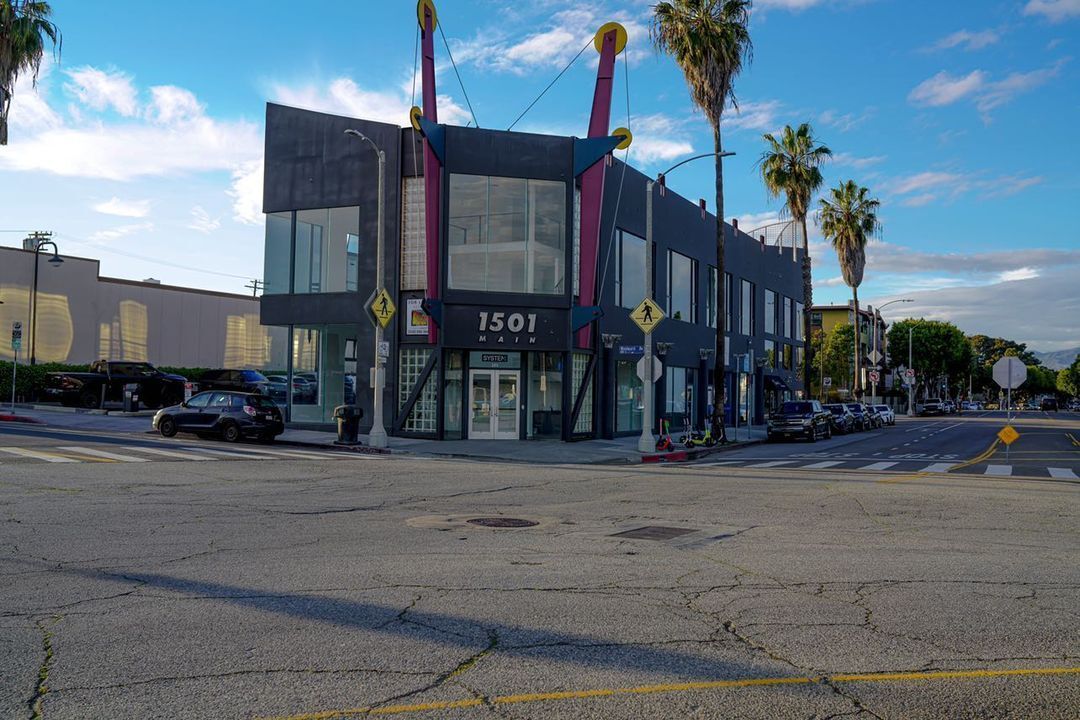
{"x": 647, "y": 315}
{"x": 382, "y": 307}
{"x": 1008, "y": 435}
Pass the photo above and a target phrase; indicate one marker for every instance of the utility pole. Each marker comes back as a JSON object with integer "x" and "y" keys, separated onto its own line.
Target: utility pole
{"x": 256, "y": 285}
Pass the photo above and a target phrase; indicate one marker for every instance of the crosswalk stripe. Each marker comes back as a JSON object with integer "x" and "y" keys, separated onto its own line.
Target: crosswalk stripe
{"x": 169, "y": 453}
{"x": 823, "y": 465}
{"x": 1001, "y": 470}
{"x": 47, "y": 457}
{"x": 773, "y": 463}
{"x": 102, "y": 454}
{"x": 1061, "y": 473}
{"x": 937, "y": 467}
{"x": 225, "y": 453}
{"x": 330, "y": 454}
{"x": 878, "y": 466}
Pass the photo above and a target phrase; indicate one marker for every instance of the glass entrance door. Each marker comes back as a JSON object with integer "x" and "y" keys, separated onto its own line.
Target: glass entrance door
{"x": 493, "y": 404}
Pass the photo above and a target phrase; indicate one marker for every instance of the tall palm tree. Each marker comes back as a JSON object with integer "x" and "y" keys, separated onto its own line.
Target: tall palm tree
{"x": 848, "y": 220}
{"x": 24, "y": 28}
{"x": 790, "y": 166}
{"x": 709, "y": 40}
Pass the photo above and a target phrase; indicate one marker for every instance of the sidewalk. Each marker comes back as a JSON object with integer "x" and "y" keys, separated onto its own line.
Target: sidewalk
{"x": 620, "y": 451}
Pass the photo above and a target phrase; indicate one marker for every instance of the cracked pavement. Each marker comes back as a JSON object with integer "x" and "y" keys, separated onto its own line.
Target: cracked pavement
{"x": 295, "y": 588}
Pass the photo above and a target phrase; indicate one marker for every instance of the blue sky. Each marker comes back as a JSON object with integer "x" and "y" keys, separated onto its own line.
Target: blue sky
{"x": 143, "y": 146}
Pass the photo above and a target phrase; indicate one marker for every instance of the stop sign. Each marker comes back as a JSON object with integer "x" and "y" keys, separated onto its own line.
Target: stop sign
{"x": 1009, "y": 372}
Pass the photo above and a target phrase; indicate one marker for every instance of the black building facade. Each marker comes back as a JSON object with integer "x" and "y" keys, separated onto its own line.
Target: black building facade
{"x": 509, "y": 360}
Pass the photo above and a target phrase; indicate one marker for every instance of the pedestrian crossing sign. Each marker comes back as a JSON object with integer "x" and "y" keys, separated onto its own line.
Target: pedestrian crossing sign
{"x": 382, "y": 308}
{"x": 647, "y": 315}
{"x": 1008, "y": 435}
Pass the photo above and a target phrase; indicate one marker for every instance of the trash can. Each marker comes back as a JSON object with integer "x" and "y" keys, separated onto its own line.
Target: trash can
{"x": 131, "y": 397}
{"x": 348, "y": 424}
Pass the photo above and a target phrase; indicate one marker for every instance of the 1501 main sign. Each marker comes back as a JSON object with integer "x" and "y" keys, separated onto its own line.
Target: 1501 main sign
{"x": 510, "y": 328}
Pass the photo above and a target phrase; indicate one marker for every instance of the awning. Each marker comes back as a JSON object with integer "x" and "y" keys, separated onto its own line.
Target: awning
{"x": 775, "y": 382}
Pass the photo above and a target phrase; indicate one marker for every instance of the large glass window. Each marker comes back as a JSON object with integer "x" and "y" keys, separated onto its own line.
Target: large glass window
{"x": 411, "y": 362}
{"x": 545, "y": 395}
{"x": 710, "y": 298}
{"x": 507, "y": 234}
{"x": 413, "y": 239}
{"x": 276, "y": 255}
{"x": 324, "y": 371}
{"x": 679, "y": 400}
{"x": 770, "y": 354}
{"x": 629, "y": 269}
{"x": 770, "y": 312}
{"x": 798, "y": 320}
{"x": 786, "y": 303}
{"x": 629, "y": 398}
{"x": 453, "y": 394}
{"x": 729, "y": 291}
{"x": 682, "y": 287}
{"x": 746, "y": 313}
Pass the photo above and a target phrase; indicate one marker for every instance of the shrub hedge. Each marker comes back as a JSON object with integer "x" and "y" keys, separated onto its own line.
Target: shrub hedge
{"x": 30, "y": 379}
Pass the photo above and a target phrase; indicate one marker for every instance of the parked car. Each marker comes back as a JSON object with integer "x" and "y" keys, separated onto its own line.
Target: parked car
{"x": 862, "y": 420}
{"x": 106, "y": 380}
{"x": 303, "y": 391}
{"x": 971, "y": 405}
{"x": 1074, "y": 405}
{"x": 886, "y": 413}
{"x": 876, "y": 420}
{"x": 276, "y": 387}
{"x": 843, "y": 421}
{"x": 931, "y": 406}
{"x": 231, "y": 416}
{"x": 800, "y": 418}
{"x": 248, "y": 381}
{"x": 1049, "y": 404}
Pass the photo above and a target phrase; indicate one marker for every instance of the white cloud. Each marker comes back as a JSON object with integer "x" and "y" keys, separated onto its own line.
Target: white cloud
{"x": 29, "y": 110}
{"x": 660, "y": 137}
{"x": 924, "y": 181}
{"x": 121, "y": 231}
{"x": 945, "y": 88}
{"x": 846, "y": 121}
{"x": 752, "y": 221}
{"x": 919, "y": 200}
{"x": 761, "y": 116}
{"x": 925, "y": 187}
{"x": 170, "y": 104}
{"x": 345, "y": 97}
{"x": 848, "y": 159}
{"x": 101, "y": 90}
{"x": 202, "y": 222}
{"x": 835, "y": 281}
{"x": 1000, "y": 92}
{"x": 246, "y": 192}
{"x": 124, "y": 208}
{"x": 1053, "y": 10}
{"x": 886, "y": 257}
{"x": 787, "y": 4}
{"x": 1024, "y": 273}
{"x": 970, "y": 40}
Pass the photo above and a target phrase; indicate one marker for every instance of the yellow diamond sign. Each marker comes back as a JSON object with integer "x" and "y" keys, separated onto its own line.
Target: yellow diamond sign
{"x": 647, "y": 315}
{"x": 1008, "y": 435}
{"x": 382, "y": 307}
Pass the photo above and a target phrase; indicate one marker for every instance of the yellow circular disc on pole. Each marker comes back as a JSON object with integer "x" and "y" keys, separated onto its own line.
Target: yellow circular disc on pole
{"x": 620, "y": 36}
{"x": 420, "y": 13}
{"x": 414, "y": 117}
{"x": 627, "y": 136}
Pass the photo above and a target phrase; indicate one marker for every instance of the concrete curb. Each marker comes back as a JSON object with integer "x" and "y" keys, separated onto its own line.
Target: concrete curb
{"x": 7, "y": 417}
{"x": 696, "y": 453}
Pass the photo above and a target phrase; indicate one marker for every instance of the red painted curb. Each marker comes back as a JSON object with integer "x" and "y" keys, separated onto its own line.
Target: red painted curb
{"x": 4, "y": 417}
{"x": 676, "y": 456}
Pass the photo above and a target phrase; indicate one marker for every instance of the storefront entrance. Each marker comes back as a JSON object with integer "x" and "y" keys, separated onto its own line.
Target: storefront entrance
{"x": 494, "y": 401}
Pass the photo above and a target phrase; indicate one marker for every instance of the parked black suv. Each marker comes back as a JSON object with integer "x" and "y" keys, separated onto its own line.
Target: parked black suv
{"x": 229, "y": 415}
{"x": 863, "y": 421}
{"x": 247, "y": 381}
{"x": 843, "y": 421}
{"x": 800, "y": 418}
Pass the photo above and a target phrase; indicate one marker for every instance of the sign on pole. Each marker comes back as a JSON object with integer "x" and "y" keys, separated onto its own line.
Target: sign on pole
{"x": 874, "y": 376}
{"x": 382, "y": 308}
{"x": 16, "y": 335}
{"x": 1009, "y": 372}
{"x": 657, "y": 370}
{"x": 909, "y": 376}
{"x": 875, "y": 356}
{"x": 1008, "y": 435}
{"x": 826, "y": 381}
{"x": 647, "y": 315}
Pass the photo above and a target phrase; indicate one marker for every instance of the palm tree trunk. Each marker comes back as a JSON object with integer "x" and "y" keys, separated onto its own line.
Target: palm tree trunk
{"x": 5, "y": 106}
{"x": 719, "y": 373}
{"x": 858, "y": 347}
{"x": 808, "y": 300}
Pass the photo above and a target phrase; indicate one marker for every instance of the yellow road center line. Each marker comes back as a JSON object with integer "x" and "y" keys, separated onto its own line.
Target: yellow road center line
{"x": 672, "y": 688}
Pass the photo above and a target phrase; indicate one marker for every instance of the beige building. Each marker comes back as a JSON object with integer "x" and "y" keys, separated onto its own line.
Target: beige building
{"x": 82, "y": 317}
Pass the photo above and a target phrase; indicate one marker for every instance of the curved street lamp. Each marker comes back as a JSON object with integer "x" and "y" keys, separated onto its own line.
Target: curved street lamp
{"x": 55, "y": 261}
{"x": 877, "y": 314}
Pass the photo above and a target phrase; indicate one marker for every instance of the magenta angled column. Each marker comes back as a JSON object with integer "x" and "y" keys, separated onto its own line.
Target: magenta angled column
{"x": 432, "y": 166}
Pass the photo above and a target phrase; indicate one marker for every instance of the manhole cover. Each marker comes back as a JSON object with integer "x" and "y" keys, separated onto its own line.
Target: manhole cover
{"x": 654, "y": 532}
{"x": 502, "y": 522}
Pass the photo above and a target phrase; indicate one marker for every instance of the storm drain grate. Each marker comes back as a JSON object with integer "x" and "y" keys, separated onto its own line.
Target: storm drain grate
{"x": 654, "y": 532}
{"x": 502, "y": 522}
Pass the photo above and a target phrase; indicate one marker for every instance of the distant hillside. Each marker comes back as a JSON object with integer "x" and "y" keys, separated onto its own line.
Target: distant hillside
{"x": 1057, "y": 359}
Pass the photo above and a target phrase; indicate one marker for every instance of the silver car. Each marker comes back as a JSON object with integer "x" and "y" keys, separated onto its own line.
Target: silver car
{"x": 886, "y": 413}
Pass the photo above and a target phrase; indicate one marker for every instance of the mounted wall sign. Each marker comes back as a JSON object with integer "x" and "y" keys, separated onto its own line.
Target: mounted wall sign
{"x": 509, "y": 328}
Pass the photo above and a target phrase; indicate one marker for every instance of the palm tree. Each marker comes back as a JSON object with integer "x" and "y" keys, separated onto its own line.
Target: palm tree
{"x": 24, "y": 28}
{"x": 848, "y": 220}
{"x": 709, "y": 40}
{"x": 791, "y": 166}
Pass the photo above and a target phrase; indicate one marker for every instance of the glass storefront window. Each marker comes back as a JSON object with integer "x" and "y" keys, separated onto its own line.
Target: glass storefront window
{"x": 679, "y": 401}
{"x": 324, "y": 371}
{"x": 770, "y": 354}
{"x": 798, "y": 320}
{"x": 507, "y": 234}
{"x": 786, "y": 302}
{"x": 544, "y": 398}
{"x": 787, "y": 357}
{"x": 629, "y": 397}
{"x": 327, "y": 253}
{"x": 710, "y": 298}
{"x": 682, "y": 287}
{"x": 770, "y": 312}
{"x": 629, "y": 270}
{"x": 411, "y": 363}
{"x": 276, "y": 257}
{"x": 746, "y": 315}
{"x": 453, "y": 393}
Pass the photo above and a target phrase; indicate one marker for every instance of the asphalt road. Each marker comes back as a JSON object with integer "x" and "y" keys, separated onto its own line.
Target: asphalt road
{"x": 318, "y": 587}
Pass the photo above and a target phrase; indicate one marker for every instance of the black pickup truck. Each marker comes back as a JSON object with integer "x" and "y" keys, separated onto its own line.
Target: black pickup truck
{"x": 800, "y": 418}
{"x": 106, "y": 381}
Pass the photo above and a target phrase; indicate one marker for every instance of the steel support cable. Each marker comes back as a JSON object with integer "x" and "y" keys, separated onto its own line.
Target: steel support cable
{"x": 542, "y": 93}
{"x": 622, "y": 178}
{"x": 463, "y": 91}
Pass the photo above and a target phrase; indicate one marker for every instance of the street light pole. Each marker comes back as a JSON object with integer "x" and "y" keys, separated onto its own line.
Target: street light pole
{"x": 55, "y": 261}
{"x": 911, "y": 387}
{"x": 876, "y": 318}
{"x": 647, "y": 443}
{"x": 377, "y": 438}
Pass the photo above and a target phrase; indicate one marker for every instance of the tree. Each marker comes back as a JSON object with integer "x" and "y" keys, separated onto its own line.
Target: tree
{"x": 838, "y": 355}
{"x": 987, "y": 351}
{"x": 710, "y": 41}
{"x": 848, "y": 220}
{"x": 941, "y": 353}
{"x": 790, "y": 166}
{"x": 24, "y": 29}
{"x": 1068, "y": 379}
